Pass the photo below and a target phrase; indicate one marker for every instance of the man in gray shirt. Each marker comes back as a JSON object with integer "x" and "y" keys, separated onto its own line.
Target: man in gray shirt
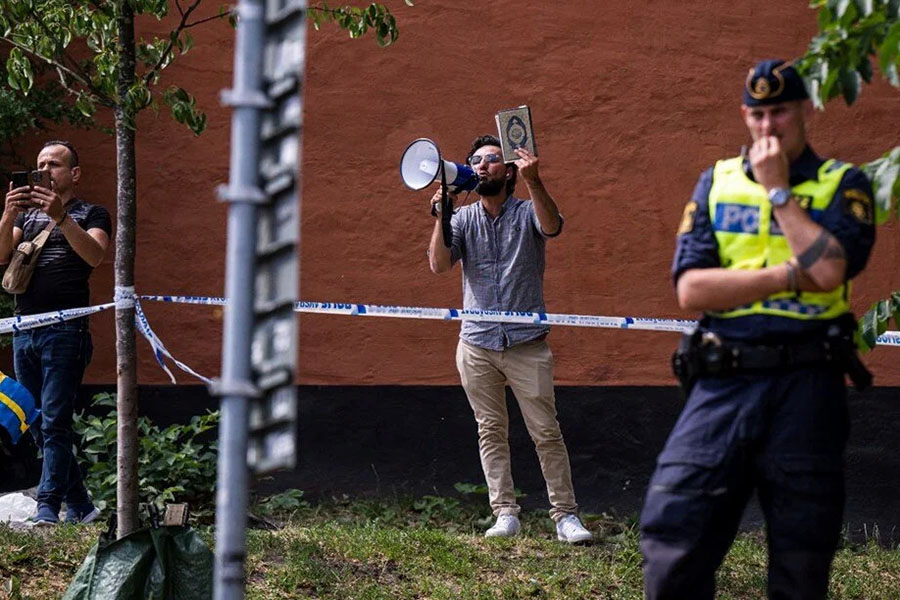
{"x": 500, "y": 240}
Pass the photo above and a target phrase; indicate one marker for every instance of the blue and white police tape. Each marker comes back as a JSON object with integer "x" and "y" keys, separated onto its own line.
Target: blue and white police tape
{"x": 159, "y": 350}
{"x": 26, "y": 322}
{"x": 124, "y": 299}
{"x": 889, "y": 338}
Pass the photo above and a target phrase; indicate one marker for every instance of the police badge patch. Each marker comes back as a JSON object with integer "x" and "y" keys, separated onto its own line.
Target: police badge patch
{"x": 687, "y": 218}
{"x": 858, "y": 205}
{"x": 804, "y": 201}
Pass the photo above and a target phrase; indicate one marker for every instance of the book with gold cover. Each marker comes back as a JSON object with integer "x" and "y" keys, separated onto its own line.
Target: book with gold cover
{"x": 515, "y": 131}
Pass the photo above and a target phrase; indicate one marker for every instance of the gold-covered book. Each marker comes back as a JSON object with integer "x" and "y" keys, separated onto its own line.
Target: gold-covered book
{"x": 515, "y": 131}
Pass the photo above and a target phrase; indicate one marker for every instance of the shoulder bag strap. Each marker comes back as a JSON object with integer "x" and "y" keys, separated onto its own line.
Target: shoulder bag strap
{"x": 41, "y": 238}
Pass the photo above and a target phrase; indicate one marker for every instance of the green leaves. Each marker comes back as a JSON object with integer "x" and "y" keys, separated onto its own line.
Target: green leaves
{"x": 138, "y": 97}
{"x": 155, "y": 52}
{"x": 889, "y": 53}
{"x": 357, "y": 21}
{"x": 20, "y": 112}
{"x": 286, "y": 502}
{"x": 174, "y": 464}
{"x": 851, "y": 34}
{"x": 184, "y": 109}
{"x": 41, "y": 32}
{"x": 876, "y": 321}
{"x": 884, "y": 174}
{"x": 84, "y": 103}
{"x": 19, "y": 74}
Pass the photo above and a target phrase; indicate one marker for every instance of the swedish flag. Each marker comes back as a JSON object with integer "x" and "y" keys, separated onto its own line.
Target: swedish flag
{"x": 17, "y": 409}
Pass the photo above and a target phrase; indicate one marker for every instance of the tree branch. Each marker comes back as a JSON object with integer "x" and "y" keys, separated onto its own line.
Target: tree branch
{"x": 149, "y": 75}
{"x": 46, "y": 59}
{"x": 60, "y": 55}
{"x": 202, "y": 21}
{"x": 334, "y": 11}
{"x": 104, "y": 100}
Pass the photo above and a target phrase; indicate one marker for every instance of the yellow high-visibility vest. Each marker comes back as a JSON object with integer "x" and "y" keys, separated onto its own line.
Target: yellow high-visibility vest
{"x": 749, "y": 238}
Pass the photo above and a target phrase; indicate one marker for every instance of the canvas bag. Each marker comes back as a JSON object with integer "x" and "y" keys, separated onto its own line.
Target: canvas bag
{"x": 24, "y": 260}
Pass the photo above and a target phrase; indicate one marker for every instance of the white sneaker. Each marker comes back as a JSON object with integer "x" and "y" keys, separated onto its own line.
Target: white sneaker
{"x": 506, "y": 526}
{"x": 570, "y": 530}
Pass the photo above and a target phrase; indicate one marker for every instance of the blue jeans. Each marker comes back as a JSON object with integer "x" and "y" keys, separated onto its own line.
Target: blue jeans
{"x": 50, "y": 362}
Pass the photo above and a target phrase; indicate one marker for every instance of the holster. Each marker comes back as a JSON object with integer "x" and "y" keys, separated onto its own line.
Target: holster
{"x": 848, "y": 356}
{"x": 696, "y": 356}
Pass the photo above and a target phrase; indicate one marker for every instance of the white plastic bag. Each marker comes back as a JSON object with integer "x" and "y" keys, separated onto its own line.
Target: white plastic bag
{"x": 17, "y": 508}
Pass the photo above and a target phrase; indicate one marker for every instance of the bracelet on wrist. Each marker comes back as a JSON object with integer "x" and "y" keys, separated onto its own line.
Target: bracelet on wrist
{"x": 791, "y": 277}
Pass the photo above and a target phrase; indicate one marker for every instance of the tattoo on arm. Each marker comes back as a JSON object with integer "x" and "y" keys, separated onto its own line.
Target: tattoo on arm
{"x": 835, "y": 251}
{"x": 824, "y": 246}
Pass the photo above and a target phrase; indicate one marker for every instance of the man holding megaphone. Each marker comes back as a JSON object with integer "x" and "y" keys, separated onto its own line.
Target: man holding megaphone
{"x": 500, "y": 240}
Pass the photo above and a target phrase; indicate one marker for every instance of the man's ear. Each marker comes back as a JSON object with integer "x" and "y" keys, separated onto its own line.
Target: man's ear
{"x": 76, "y": 174}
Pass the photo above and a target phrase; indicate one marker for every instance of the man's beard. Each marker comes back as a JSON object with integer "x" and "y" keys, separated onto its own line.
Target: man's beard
{"x": 490, "y": 187}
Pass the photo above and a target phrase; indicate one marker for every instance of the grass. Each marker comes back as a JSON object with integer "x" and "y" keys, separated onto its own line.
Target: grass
{"x": 433, "y": 548}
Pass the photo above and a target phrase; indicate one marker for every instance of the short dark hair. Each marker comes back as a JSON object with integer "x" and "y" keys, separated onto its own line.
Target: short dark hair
{"x": 68, "y": 145}
{"x": 491, "y": 140}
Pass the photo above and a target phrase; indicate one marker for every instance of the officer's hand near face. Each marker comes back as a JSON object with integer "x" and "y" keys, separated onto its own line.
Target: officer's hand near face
{"x": 769, "y": 163}
{"x": 436, "y": 201}
{"x": 17, "y": 200}
{"x": 48, "y": 201}
{"x": 528, "y": 166}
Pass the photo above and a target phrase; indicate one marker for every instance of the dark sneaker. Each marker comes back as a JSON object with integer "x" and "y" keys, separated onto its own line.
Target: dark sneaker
{"x": 81, "y": 515}
{"x": 45, "y": 516}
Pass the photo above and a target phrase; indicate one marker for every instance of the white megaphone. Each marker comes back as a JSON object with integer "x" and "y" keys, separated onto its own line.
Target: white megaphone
{"x": 421, "y": 165}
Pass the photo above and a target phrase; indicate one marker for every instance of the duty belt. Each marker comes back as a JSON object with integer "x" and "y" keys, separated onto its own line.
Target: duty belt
{"x": 703, "y": 353}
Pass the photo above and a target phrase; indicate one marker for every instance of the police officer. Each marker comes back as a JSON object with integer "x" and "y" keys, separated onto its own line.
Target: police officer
{"x": 766, "y": 249}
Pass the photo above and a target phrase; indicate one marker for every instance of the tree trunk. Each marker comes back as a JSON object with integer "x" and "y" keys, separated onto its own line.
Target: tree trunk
{"x": 126, "y": 367}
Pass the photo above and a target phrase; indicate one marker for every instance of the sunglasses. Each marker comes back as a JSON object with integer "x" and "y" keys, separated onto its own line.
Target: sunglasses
{"x": 488, "y": 158}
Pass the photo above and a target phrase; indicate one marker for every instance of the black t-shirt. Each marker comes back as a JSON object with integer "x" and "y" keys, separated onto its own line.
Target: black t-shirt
{"x": 60, "y": 279}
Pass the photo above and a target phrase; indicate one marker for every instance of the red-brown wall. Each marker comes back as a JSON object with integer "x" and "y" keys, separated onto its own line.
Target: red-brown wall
{"x": 631, "y": 101}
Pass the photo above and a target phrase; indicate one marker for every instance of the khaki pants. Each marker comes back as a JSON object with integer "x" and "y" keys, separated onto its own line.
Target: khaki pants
{"x": 528, "y": 369}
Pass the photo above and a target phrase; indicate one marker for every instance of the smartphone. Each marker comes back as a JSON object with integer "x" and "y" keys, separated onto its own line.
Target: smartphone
{"x": 40, "y": 179}
{"x": 28, "y": 179}
{"x": 20, "y": 179}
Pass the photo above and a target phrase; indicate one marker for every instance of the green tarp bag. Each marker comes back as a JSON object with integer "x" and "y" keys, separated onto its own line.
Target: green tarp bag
{"x": 164, "y": 563}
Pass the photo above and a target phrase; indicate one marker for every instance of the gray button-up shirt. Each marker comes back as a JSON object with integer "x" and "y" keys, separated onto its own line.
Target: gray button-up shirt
{"x": 503, "y": 269}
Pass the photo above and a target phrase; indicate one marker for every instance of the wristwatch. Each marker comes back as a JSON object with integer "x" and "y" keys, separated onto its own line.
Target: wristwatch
{"x": 780, "y": 196}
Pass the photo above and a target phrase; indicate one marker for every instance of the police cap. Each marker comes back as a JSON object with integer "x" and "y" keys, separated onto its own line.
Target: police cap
{"x": 771, "y": 82}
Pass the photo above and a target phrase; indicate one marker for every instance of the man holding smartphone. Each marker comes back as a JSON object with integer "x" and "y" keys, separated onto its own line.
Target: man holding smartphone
{"x": 50, "y": 361}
